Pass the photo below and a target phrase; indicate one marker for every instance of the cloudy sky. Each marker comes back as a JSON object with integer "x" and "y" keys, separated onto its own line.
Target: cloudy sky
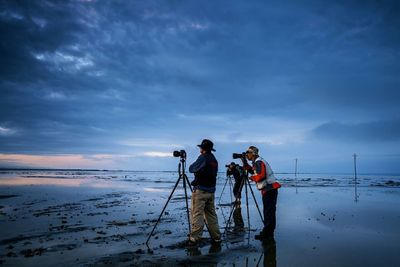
{"x": 121, "y": 84}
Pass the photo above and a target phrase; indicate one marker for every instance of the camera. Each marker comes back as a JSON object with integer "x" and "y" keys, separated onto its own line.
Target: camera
{"x": 239, "y": 155}
{"x": 230, "y": 165}
{"x": 181, "y": 154}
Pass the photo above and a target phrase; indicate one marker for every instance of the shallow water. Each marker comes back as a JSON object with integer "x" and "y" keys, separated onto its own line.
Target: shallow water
{"x": 103, "y": 218}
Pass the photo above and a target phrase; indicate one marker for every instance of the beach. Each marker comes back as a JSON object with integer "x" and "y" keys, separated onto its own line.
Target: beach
{"x": 103, "y": 218}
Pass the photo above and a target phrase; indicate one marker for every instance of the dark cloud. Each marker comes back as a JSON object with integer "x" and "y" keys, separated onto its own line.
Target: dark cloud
{"x": 28, "y": 28}
{"x": 377, "y": 131}
{"x": 78, "y": 76}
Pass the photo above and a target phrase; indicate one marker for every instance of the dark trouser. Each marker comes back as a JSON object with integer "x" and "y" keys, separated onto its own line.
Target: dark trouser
{"x": 236, "y": 188}
{"x": 269, "y": 205}
{"x": 238, "y": 218}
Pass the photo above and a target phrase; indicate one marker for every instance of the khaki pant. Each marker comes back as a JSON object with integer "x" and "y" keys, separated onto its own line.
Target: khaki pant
{"x": 203, "y": 208}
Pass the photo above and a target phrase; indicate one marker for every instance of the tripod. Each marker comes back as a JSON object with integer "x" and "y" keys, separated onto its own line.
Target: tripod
{"x": 223, "y": 189}
{"x": 245, "y": 182}
{"x": 183, "y": 176}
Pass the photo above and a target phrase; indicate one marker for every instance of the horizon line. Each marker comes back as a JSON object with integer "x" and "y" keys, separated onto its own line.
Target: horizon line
{"x": 123, "y": 170}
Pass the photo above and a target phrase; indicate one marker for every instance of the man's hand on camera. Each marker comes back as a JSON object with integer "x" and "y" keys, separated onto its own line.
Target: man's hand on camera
{"x": 245, "y": 163}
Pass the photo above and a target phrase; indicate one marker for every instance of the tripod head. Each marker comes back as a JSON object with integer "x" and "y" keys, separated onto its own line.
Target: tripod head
{"x": 182, "y": 155}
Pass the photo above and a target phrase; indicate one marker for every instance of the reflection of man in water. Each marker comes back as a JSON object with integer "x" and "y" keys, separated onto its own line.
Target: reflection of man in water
{"x": 238, "y": 219}
{"x": 269, "y": 248}
{"x": 237, "y": 172}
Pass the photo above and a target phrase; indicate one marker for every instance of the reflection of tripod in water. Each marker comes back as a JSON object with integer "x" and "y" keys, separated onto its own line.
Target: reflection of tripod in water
{"x": 183, "y": 176}
{"x": 246, "y": 184}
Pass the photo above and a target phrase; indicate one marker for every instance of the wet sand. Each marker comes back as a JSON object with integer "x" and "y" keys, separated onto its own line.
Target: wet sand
{"x": 104, "y": 218}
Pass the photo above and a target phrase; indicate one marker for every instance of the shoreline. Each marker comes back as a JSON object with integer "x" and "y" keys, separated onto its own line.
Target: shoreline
{"x": 106, "y": 222}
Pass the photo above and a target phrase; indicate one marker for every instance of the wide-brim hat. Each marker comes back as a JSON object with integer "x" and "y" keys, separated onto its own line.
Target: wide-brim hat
{"x": 207, "y": 145}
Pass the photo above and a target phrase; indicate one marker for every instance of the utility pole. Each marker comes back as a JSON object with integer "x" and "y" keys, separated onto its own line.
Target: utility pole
{"x": 295, "y": 173}
{"x": 355, "y": 178}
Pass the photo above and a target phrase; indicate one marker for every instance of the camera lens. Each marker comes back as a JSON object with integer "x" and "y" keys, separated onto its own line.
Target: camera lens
{"x": 236, "y": 155}
{"x": 181, "y": 154}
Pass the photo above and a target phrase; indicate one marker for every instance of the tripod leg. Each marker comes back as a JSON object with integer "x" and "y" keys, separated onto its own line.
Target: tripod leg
{"x": 259, "y": 260}
{"x": 223, "y": 188}
{"x": 234, "y": 206}
{"x": 187, "y": 205}
{"x": 165, "y": 206}
{"x": 230, "y": 188}
{"x": 229, "y": 218}
{"x": 247, "y": 203}
{"x": 255, "y": 201}
{"x": 223, "y": 215}
{"x": 191, "y": 190}
{"x": 188, "y": 182}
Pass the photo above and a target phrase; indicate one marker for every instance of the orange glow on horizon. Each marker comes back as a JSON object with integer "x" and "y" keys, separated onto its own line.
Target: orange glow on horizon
{"x": 58, "y": 161}
{"x": 23, "y": 181}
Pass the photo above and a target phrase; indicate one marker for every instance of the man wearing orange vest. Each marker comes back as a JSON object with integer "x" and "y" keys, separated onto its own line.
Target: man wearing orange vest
{"x": 265, "y": 180}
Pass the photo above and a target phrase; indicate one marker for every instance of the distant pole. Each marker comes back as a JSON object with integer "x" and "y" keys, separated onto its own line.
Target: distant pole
{"x": 295, "y": 173}
{"x": 355, "y": 177}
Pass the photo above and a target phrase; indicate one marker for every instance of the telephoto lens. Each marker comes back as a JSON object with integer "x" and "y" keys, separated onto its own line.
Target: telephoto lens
{"x": 181, "y": 153}
{"x": 239, "y": 155}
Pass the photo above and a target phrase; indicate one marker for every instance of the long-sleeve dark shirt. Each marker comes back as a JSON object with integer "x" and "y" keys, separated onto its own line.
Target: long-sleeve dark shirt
{"x": 236, "y": 172}
{"x": 205, "y": 170}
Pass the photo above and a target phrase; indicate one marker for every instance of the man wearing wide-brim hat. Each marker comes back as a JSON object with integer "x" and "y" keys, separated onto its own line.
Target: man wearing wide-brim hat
{"x": 205, "y": 169}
